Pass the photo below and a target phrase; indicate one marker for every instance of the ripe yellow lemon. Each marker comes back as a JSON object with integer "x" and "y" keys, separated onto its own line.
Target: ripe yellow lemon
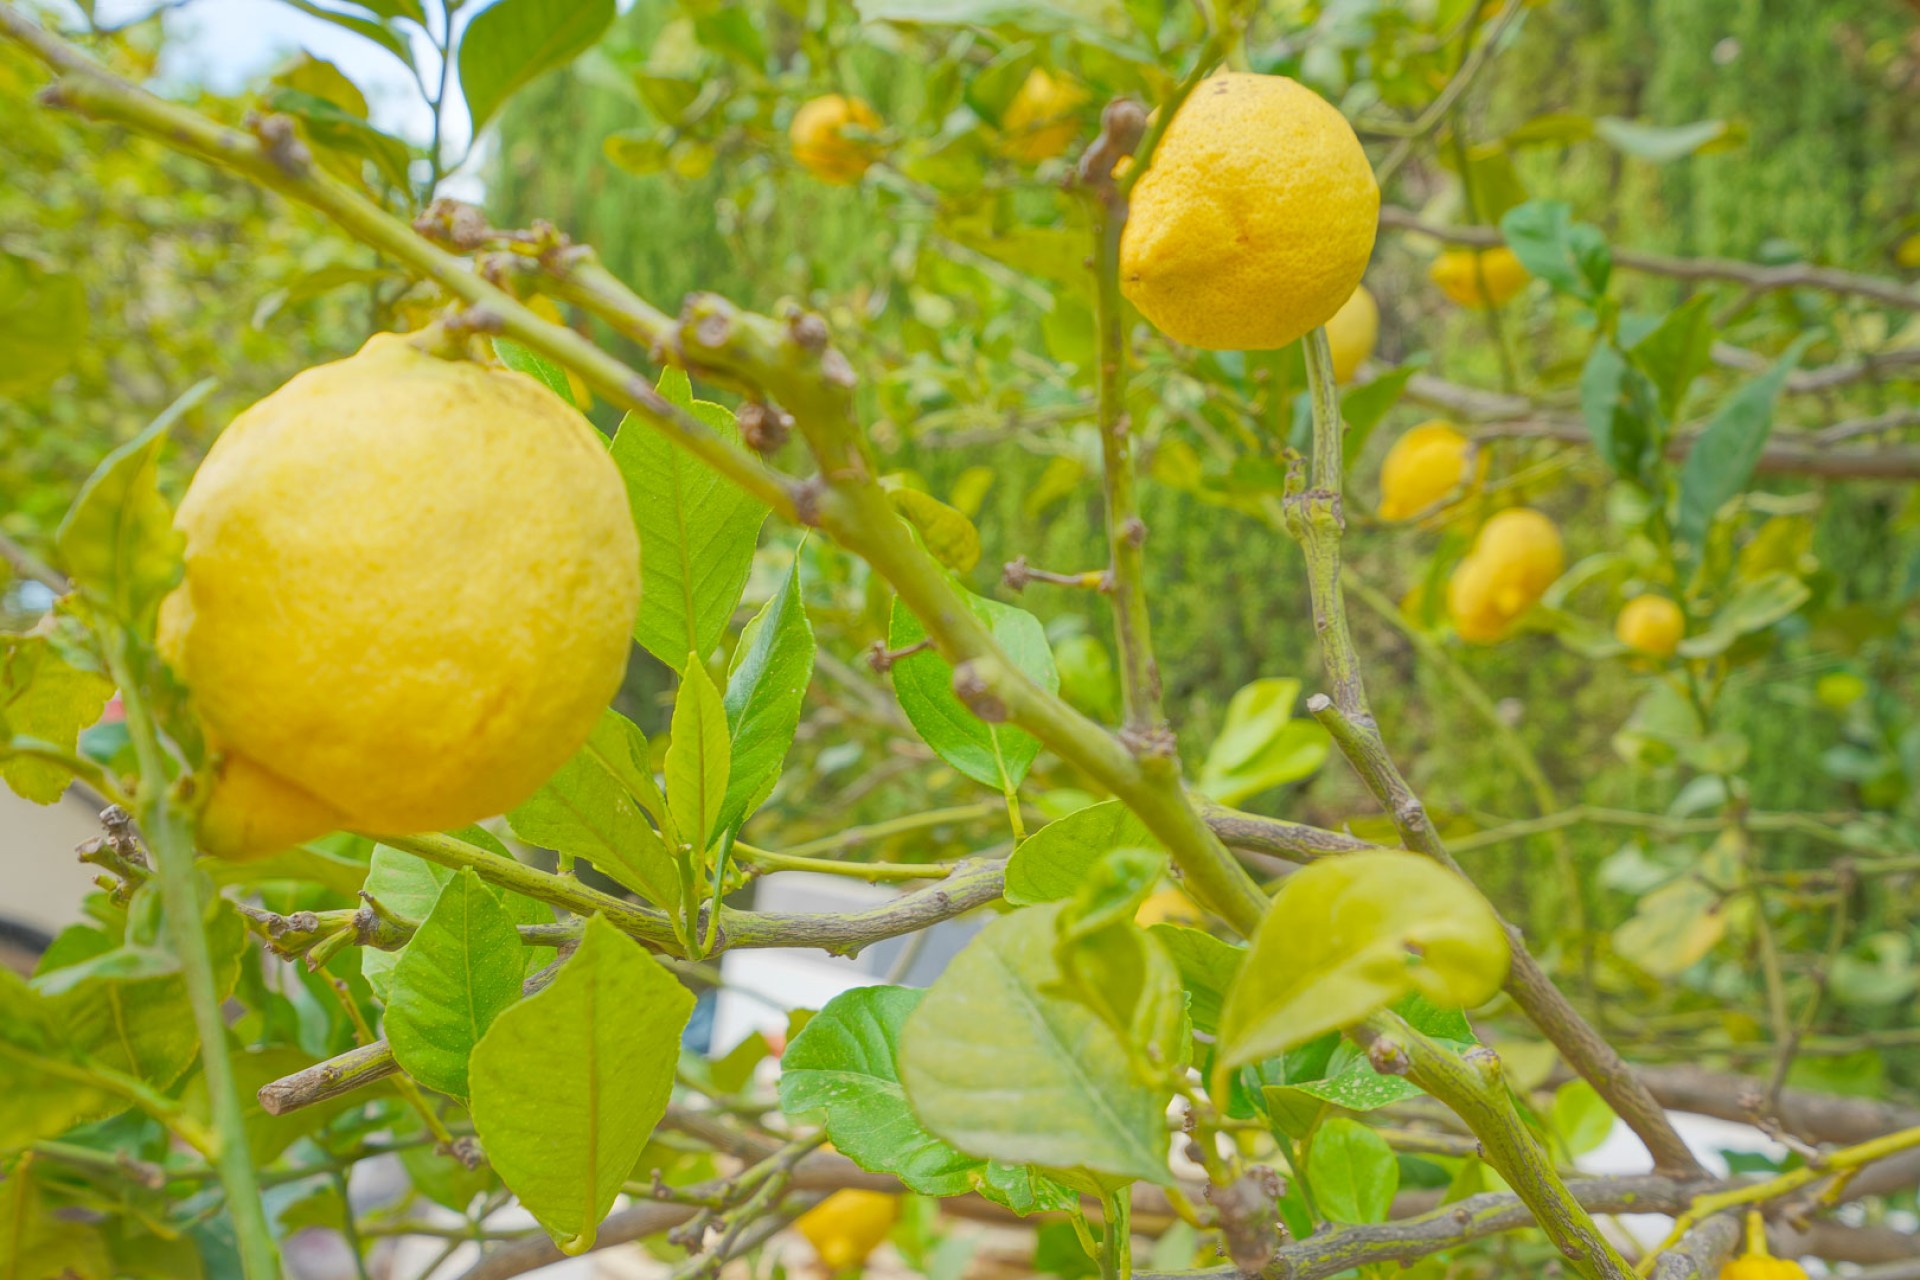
{"x": 1515, "y": 558}
{"x": 1254, "y": 219}
{"x": 820, "y": 145}
{"x": 848, "y": 1225}
{"x": 1352, "y": 332}
{"x": 409, "y": 588}
{"x": 1041, "y": 121}
{"x": 1456, "y": 273}
{"x": 1423, "y": 467}
{"x": 1759, "y": 1267}
{"x": 1651, "y": 624}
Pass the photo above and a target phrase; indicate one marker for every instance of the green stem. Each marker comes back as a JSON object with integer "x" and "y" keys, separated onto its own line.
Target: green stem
{"x": 170, "y": 838}
{"x": 893, "y": 827}
{"x": 1474, "y": 1089}
{"x": 1116, "y": 1241}
{"x": 870, "y": 871}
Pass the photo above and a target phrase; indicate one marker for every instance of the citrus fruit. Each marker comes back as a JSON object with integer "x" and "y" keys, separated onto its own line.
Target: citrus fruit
{"x": 1651, "y": 624}
{"x": 821, "y": 145}
{"x": 1040, "y": 122}
{"x": 409, "y": 588}
{"x": 848, "y": 1225}
{"x": 1352, "y": 332}
{"x": 1458, "y": 276}
{"x": 1515, "y": 558}
{"x": 1254, "y": 219}
{"x": 1168, "y": 906}
{"x": 1424, "y": 466}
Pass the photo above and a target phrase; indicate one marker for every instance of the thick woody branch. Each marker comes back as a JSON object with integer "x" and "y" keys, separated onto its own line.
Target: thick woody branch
{"x": 1758, "y": 278}
{"x": 1701, "y": 1252}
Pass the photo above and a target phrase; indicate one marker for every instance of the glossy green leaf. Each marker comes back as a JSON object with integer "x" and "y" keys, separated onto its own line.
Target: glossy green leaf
{"x": 1262, "y": 745}
{"x": 994, "y": 755}
{"x": 765, "y": 691}
{"x": 536, "y": 366}
{"x": 381, "y": 33}
{"x": 697, "y": 531}
{"x": 1052, "y": 863}
{"x": 699, "y": 758}
{"x": 597, "y": 1050}
{"x": 408, "y": 887}
{"x": 999, "y": 1067}
{"x": 1352, "y": 1171}
{"x": 843, "y": 1068}
{"x": 509, "y": 43}
{"x": 1580, "y": 1116}
{"x": 1207, "y": 968}
{"x": 1723, "y": 456}
{"x": 117, "y": 541}
{"x": 43, "y": 324}
{"x": 1571, "y": 256}
{"x": 456, "y": 975}
{"x": 949, "y": 535}
{"x": 594, "y": 807}
{"x": 1622, "y": 414}
{"x": 1677, "y": 350}
{"x": 1349, "y": 935}
{"x": 43, "y": 698}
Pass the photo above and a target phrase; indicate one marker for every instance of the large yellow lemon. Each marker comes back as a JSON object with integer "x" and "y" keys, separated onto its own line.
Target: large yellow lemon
{"x": 1461, "y": 272}
{"x": 1254, "y": 219}
{"x": 1042, "y": 119}
{"x": 820, "y": 145}
{"x": 1351, "y": 333}
{"x": 847, "y": 1226}
{"x": 1651, "y": 624}
{"x": 1424, "y": 466}
{"x": 1515, "y": 558}
{"x": 409, "y": 588}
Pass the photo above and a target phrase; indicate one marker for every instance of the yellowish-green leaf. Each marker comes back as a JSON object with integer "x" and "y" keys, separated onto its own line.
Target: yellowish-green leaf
{"x": 949, "y": 535}
{"x": 1347, "y": 936}
{"x": 44, "y": 698}
{"x": 699, "y": 758}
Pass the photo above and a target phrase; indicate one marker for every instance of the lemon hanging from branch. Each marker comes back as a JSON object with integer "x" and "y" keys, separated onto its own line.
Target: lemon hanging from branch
{"x": 410, "y": 584}
{"x": 1255, "y": 218}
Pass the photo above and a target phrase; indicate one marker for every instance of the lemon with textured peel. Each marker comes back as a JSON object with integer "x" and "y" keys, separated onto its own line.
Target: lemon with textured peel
{"x": 1041, "y": 121}
{"x": 409, "y": 588}
{"x": 1515, "y": 558}
{"x": 1254, "y": 219}
{"x": 1424, "y": 466}
{"x": 1461, "y": 273}
{"x": 1168, "y": 906}
{"x": 848, "y": 1225}
{"x": 821, "y": 144}
{"x": 1650, "y": 624}
{"x": 1351, "y": 333}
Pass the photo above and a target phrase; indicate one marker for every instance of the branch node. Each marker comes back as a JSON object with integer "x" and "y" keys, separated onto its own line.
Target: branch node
{"x": 454, "y": 224}
{"x": 281, "y": 143}
{"x": 763, "y": 426}
{"x": 881, "y": 658}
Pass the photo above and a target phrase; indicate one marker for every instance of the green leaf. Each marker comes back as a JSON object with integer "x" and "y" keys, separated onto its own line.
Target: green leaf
{"x": 1571, "y": 256}
{"x": 381, "y": 33}
{"x": 1553, "y": 129}
{"x": 1002, "y": 1069}
{"x": 536, "y": 366}
{"x": 1722, "y": 458}
{"x": 949, "y": 535}
{"x": 117, "y": 541}
{"x": 699, "y": 758}
{"x": 567, "y": 1085}
{"x": 1207, "y": 968}
{"x": 640, "y": 152}
{"x": 509, "y": 43}
{"x": 409, "y": 887}
{"x": 1364, "y": 407}
{"x": 1677, "y": 351}
{"x": 1581, "y": 1117}
{"x": 994, "y": 755}
{"x": 1352, "y": 1171}
{"x": 1619, "y": 405}
{"x": 1261, "y": 744}
{"x": 39, "y": 1243}
{"x": 456, "y": 975}
{"x": 844, "y": 1068}
{"x": 592, "y": 808}
{"x": 45, "y": 699}
{"x": 1757, "y": 605}
{"x": 1659, "y": 144}
{"x": 765, "y": 691}
{"x": 697, "y": 531}
{"x": 43, "y": 324}
{"x": 1052, "y": 863}
{"x": 38, "y": 1102}
{"x": 336, "y": 129}
{"x": 1349, "y": 935}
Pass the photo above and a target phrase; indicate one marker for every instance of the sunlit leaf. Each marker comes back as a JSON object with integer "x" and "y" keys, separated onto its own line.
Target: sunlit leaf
{"x": 509, "y": 43}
